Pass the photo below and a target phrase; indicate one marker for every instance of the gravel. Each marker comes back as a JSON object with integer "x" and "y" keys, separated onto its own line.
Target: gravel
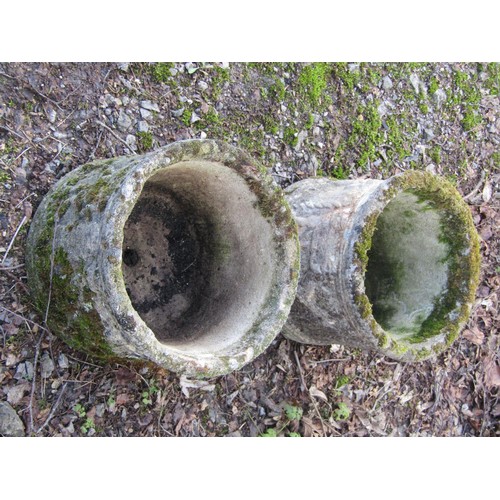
{"x": 124, "y": 121}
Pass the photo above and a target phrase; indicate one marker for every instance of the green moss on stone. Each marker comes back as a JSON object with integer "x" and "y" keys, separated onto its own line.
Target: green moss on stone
{"x": 364, "y": 242}
{"x": 451, "y": 310}
{"x": 364, "y": 305}
{"x": 56, "y": 291}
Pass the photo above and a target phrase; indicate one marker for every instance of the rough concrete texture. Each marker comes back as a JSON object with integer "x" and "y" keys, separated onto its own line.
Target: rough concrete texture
{"x": 186, "y": 257}
{"x": 385, "y": 265}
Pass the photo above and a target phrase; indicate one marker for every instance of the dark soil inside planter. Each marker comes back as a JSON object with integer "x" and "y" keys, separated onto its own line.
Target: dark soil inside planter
{"x": 163, "y": 263}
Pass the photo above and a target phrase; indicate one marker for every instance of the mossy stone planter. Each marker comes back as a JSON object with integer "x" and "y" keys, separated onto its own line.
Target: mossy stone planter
{"x": 390, "y": 265}
{"x": 186, "y": 257}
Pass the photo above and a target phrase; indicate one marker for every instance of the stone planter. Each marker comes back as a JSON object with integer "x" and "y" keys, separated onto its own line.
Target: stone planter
{"x": 390, "y": 265}
{"x": 186, "y": 257}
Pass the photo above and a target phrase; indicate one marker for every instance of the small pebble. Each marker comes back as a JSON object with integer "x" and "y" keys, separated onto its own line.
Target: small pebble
{"x": 178, "y": 112}
{"x": 439, "y": 97}
{"x": 415, "y": 81}
{"x": 194, "y": 117}
{"x": 124, "y": 121}
{"x": 131, "y": 140}
{"x": 46, "y": 366}
{"x": 150, "y": 106}
{"x": 51, "y": 115}
{"x": 11, "y": 424}
{"x": 145, "y": 114}
{"x": 63, "y": 362}
{"x": 11, "y": 360}
{"x": 202, "y": 85}
{"x": 24, "y": 371}
{"x": 100, "y": 409}
{"x": 386, "y": 83}
{"x": 142, "y": 126}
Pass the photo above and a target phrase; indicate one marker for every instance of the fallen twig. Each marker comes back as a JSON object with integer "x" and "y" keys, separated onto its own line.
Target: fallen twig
{"x": 331, "y": 360}
{"x": 92, "y": 154}
{"x": 70, "y": 94}
{"x": 306, "y": 389}
{"x": 34, "y": 323}
{"x": 11, "y": 268}
{"x": 7, "y": 76}
{"x": 477, "y": 186}
{"x": 83, "y": 362}
{"x": 43, "y": 96}
{"x": 21, "y": 154}
{"x": 115, "y": 135}
{"x": 33, "y": 383}
{"x": 53, "y": 409}
{"x": 13, "y": 132}
{"x": 23, "y": 220}
{"x": 37, "y": 352}
{"x": 23, "y": 200}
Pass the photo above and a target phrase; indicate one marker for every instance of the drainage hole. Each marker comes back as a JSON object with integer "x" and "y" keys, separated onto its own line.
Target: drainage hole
{"x": 130, "y": 257}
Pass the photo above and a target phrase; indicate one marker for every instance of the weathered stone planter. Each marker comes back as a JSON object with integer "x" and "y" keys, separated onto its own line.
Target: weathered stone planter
{"x": 390, "y": 265}
{"x": 186, "y": 257}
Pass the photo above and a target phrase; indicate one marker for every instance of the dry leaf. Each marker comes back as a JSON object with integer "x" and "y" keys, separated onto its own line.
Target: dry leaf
{"x": 486, "y": 233}
{"x": 122, "y": 399}
{"x": 91, "y": 413}
{"x": 312, "y": 427}
{"x": 496, "y": 410}
{"x": 492, "y": 374}
{"x": 17, "y": 392}
{"x": 194, "y": 384}
{"x": 475, "y": 335}
{"x": 371, "y": 426}
{"x": 205, "y": 108}
{"x": 28, "y": 210}
{"x": 487, "y": 192}
{"x": 404, "y": 398}
{"x": 11, "y": 360}
{"x": 317, "y": 393}
{"x": 124, "y": 376}
{"x": 397, "y": 372}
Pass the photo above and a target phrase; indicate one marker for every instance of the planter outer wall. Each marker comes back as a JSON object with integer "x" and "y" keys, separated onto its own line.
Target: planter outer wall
{"x": 75, "y": 257}
{"x": 337, "y": 301}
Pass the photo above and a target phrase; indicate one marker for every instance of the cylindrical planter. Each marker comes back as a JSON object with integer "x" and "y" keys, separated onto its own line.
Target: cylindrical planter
{"x": 187, "y": 257}
{"x": 390, "y": 266}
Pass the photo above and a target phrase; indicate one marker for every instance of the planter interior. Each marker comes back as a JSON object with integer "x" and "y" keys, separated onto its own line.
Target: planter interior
{"x": 407, "y": 265}
{"x": 194, "y": 260}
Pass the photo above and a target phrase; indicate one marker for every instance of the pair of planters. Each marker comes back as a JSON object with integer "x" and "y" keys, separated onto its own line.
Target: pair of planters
{"x": 189, "y": 257}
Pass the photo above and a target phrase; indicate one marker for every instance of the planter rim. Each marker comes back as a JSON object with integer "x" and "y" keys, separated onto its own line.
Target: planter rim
{"x": 284, "y": 283}
{"x": 460, "y": 234}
